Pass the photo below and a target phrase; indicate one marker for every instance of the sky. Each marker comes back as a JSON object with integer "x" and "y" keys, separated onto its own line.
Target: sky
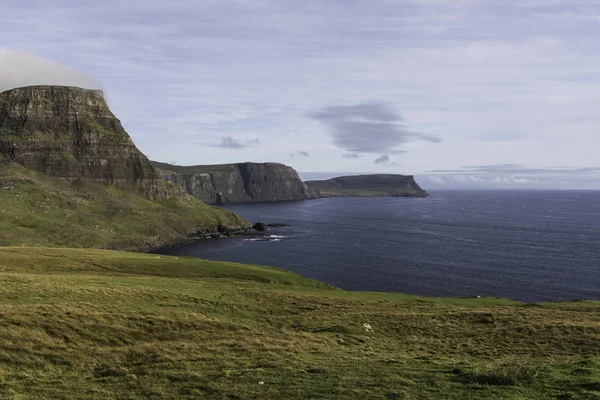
{"x": 459, "y": 93}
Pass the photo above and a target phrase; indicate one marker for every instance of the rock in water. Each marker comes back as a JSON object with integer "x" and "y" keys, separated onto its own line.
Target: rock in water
{"x": 70, "y": 133}
{"x": 260, "y": 226}
{"x": 238, "y": 183}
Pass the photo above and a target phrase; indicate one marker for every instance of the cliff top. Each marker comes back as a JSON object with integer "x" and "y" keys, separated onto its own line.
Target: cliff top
{"x": 365, "y": 177}
{"x": 54, "y": 88}
{"x": 211, "y": 168}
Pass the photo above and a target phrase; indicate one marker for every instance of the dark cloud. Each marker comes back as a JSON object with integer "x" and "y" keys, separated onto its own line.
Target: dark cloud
{"x": 384, "y": 159}
{"x": 367, "y": 128}
{"x": 228, "y": 142}
{"x": 352, "y": 155}
{"x": 300, "y": 153}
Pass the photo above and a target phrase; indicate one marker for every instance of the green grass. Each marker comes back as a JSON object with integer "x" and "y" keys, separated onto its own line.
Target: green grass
{"x": 38, "y": 210}
{"x": 106, "y": 132}
{"x": 78, "y": 324}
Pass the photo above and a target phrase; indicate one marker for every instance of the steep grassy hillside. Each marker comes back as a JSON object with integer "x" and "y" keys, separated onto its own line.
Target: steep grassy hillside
{"x": 43, "y": 211}
{"x": 80, "y": 324}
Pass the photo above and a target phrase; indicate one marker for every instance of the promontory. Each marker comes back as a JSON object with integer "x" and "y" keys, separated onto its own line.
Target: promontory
{"x": 369, "y": 186}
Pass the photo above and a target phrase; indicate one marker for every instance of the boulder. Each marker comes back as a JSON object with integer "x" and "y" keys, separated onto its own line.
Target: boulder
{"x": 260, "y": 226}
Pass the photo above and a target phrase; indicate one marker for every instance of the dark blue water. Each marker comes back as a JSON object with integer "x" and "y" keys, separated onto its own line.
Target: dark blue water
{"x": 530, "y": 246}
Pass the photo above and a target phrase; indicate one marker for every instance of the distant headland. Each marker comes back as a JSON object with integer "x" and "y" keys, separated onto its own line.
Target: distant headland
{"x": 375, "y": 185}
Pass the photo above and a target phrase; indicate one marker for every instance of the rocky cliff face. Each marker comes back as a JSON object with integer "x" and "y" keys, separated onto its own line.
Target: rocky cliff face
{"x": 71, "y": 133}
{"x": 369, "y": 185}
{"x": 238, "y": 183}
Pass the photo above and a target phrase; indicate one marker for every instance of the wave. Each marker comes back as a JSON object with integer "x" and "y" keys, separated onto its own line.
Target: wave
{"x": 269, "y": 238}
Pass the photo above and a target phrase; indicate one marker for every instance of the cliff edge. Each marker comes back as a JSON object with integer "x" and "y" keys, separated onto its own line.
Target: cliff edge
{"x": 238, "y": 183}
{"x": 369, "y": 186}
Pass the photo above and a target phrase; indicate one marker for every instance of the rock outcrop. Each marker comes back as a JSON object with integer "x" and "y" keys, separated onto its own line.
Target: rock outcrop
{"x": 70, "y": 133}
{"x": 238, "y": 183}
{"x": 369, "y": 185}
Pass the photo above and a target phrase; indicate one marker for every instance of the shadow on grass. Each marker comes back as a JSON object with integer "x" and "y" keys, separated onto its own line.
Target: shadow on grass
{"x": 503, "y": 373}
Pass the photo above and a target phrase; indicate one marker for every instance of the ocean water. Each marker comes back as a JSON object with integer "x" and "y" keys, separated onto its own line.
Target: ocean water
{"x": 524, "y": 245}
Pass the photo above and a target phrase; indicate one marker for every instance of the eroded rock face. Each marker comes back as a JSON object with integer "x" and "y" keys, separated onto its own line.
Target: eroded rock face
{"x": 238, "y": 183}
{"x": 71, "y": 133}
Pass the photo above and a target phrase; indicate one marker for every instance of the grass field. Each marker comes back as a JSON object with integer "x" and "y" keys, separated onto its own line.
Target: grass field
{"x": 81, "y": 324}
{"x": 39, "y": 210}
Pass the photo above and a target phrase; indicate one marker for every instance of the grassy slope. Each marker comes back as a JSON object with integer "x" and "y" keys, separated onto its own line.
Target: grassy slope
{"x": 98, "y": 324}
{"x": 43, "y": 211}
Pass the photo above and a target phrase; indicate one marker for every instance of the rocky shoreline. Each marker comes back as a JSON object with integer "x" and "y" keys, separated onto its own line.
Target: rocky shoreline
{"x": 224, "y": 232}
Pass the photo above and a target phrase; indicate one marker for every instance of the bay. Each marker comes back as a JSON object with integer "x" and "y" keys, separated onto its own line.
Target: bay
{"x": 524, "y": 245}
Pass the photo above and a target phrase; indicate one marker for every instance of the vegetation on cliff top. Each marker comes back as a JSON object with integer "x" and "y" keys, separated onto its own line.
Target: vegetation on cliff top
{"x": 43, "y": 211}
{"x": 196, "y": 169}
{"x": 102, "y": 324}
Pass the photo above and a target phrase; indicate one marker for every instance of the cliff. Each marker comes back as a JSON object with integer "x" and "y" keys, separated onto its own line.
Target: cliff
{"x": 238, "y": 183}
{"x": 70, "y": 133}
{"x": 369, "y": 185}
{"x": 71, "y": 176}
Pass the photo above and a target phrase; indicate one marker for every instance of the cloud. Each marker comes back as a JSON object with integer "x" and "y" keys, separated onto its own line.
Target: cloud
{"x": 518, "y": 169}
{"x": 352, "y": 155}
{"x": 228, "y": 142}
{"x": 367, "y": 128}
{"x": 300, "y": 153}
{"x": 513, "y": 176}
{"x": 18, "y": 69}
{"x": 248, "y": 67}
{"x": 384, "y": 159}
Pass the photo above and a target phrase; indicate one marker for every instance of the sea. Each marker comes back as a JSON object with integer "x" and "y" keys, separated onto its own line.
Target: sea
{"x": 531, "y": 246}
